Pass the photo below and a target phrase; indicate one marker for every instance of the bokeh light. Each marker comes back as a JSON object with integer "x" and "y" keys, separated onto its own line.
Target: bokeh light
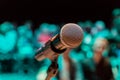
{"x": 18, "y": 44}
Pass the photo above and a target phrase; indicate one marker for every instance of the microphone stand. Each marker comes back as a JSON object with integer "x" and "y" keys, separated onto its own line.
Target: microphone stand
{"x": 53, "y": 68}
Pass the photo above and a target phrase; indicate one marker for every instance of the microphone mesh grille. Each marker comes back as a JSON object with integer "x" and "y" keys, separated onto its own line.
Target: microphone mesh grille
{"x": 71, "y": 35}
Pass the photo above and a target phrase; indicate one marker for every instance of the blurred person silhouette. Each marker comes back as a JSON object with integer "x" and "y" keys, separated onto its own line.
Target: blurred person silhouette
{"x": 8, "y": 38}
{"x": 24, "y": 50}
{"x": 98, "y": 67}
{"x": 100, "y": 29}
{"x": 70, "y": 68}
{"x": 115, "y": 42}
{"x": 115, "y": 28}
{"x": 24, "y": 42}
{"x": 8, "y": 35}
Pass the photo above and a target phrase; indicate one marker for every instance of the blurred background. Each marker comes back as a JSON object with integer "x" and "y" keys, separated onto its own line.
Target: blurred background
{"x": 26, "y": 25}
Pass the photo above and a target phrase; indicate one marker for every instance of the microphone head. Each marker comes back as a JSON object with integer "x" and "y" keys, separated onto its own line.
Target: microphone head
{"x": 71, "y": 35}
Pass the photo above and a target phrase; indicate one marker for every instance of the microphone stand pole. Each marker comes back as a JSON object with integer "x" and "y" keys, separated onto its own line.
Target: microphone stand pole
{"x": 53, "y": 68}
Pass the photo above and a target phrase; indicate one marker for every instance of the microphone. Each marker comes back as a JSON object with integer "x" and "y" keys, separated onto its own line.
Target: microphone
{"x": 70, "y": 36}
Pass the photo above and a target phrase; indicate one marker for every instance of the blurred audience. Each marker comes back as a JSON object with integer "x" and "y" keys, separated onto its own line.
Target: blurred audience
{"x": 98, "y": 67}
{"x": 18, "y": 45}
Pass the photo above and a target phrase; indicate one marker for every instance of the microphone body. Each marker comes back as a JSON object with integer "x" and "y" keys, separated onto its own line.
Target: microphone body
{"x": 70, "y": 36}
{"x": 51, "y": 49}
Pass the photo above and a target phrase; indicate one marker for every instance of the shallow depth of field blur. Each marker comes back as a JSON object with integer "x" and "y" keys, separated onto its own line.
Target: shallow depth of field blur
{"x": 18, "y": 44}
